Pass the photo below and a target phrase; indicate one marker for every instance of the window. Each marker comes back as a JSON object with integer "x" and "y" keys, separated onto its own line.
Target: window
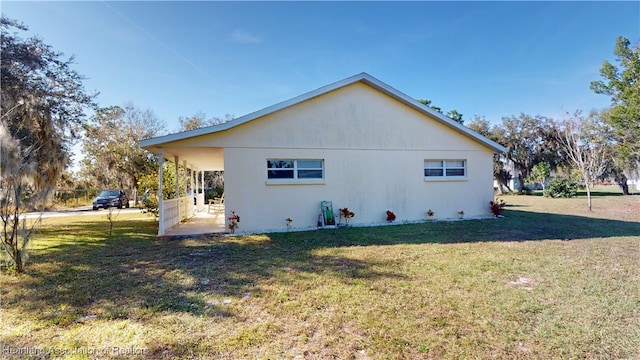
{"x": 445, "y": 168}
{"x": 295, "y": 169}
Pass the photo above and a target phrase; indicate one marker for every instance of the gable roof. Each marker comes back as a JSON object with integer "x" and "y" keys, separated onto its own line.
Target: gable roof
{"x": 363, "y": 78}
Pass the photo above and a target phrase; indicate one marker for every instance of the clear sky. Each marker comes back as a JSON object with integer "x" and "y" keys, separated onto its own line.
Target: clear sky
{"x": 490, "y": 59}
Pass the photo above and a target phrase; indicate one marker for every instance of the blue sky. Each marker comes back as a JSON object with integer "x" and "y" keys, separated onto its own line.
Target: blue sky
{"x": 490, "y": 59}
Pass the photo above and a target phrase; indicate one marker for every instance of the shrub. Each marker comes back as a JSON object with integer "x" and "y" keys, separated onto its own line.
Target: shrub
{"x": 347, "y": 215}
{"x": 390, "y": 216}
{"x": 497, "y": 207}
{"x": 150, "y": 205}
{"x": 235, "y": 219}
{"x": 561, "y": 187}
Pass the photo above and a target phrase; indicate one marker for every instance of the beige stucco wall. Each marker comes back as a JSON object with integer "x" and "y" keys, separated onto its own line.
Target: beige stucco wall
{"x": 373, "y": 148}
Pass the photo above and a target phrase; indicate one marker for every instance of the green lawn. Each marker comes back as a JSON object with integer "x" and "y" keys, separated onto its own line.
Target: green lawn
{"x": 550, "y": 280}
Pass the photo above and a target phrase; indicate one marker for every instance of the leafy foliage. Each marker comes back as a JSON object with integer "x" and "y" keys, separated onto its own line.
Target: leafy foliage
{"x": 497, "y": 206}
{"x": 149, "y": 181}
{"x": 391, "y": 216}
{"x": 199, "y": 120}
{"x": 561, "y": 187}
{"x": 42, "y": 108}
{"x": 539, "y": 173}
{"x": 623, "y": 85}
{"x": 482, "y": 126}
{"x": 529, "y": 140}
{"x": 150, "y": 203}
{"x": 346, "y": 214}
{"x": 113, "y": 158}
{"x": 453, "y": 114}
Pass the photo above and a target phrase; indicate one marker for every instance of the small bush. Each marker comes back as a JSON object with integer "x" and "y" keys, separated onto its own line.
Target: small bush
{"x": 150, "y": 205}
{"x": 347, "y": 215}
{"x": 497, "y": 207}
{"x": 563, "y": 187}
{"x": 390, "y": 216}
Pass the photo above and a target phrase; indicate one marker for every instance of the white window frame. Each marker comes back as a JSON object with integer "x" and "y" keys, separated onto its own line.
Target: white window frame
{"x": 444, "y": 169}
{"x": 295, "y": 179}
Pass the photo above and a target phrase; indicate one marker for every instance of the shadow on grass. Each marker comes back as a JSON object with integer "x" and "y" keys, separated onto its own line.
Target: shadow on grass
{"x": 134, "y": 276}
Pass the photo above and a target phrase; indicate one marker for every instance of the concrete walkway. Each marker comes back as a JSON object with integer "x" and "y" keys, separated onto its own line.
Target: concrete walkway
{"x": 201, "y": 223}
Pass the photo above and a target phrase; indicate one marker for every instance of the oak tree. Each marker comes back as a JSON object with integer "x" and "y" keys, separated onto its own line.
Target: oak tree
{"x": 42, "y": 109}
{"x": 623, "y": 85}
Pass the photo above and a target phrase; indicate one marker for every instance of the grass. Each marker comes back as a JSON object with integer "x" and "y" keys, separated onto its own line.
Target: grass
{"x": 550, "y": 280}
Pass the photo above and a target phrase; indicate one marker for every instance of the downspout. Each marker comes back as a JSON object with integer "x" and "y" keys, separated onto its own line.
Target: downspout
{"x": 204, "y": 195}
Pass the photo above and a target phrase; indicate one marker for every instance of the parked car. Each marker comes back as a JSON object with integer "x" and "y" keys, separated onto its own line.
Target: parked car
{"x": 111, "y": 198}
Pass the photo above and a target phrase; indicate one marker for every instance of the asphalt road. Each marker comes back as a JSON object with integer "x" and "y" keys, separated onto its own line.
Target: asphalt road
{"x": 78, "y": 211}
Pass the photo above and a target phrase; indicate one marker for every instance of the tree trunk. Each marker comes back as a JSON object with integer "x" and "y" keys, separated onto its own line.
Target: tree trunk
{"x": 588, "y": 196}
{"x": 18, "y": 262}
{"x": 622, "y": 182}
{"x": 520, "y": 184}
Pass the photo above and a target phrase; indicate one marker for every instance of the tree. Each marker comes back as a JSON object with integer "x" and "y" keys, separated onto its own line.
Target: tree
{"x": 623, "y": 85}
{"x": 199, "y": 120}
{"x": 529, "y": 140}
{"x": 483, "y": 127}
{"x": 584, "y": 140}
{"x": 539, "y": 173}
{"x": 618, "y": 167}
{"x": 453, "y": 114}
{"x": 113, "y": 157}
{"x": 43, "y": 106}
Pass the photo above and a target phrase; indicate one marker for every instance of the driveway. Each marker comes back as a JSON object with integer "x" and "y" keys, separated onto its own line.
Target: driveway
{"x": 78, "y": 211}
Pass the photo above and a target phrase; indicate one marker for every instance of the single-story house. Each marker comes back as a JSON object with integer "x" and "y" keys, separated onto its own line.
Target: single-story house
{"x": 358, "y": 143}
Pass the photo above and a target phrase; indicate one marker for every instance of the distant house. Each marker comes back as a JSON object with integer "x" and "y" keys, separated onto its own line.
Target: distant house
{"x": 358, "y": 143}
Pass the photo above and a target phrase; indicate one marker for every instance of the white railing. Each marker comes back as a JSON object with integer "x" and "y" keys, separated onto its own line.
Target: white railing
{"x": 186, "y": 207}
{"x": 175, "y": 211}
{"x": 200, "y": 202}
{"x": 170, "y": 213}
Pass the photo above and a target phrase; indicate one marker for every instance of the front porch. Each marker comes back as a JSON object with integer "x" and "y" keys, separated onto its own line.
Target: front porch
{"x": 187, "y": 213}
{"x": 207, "y": 221}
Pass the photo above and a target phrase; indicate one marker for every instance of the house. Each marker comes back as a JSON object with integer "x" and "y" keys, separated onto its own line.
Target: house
{"x": 358, "y": 143}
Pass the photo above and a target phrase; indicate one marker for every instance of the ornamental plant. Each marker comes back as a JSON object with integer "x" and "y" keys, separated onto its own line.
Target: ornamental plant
{"x": 347, "y": 215}
{"x": 497, "y": 207}
{"x": 390, "y": 216}
{"x": 235, "y": 219}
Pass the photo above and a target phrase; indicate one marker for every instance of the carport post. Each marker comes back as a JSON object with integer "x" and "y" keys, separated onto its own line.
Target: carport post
{"x": 177, "y": 196}
{"x": 204, "y": 195}
{"x": 186, "y": 187}
{"x": 186, "y": 178}
{"x": 192, "y": 182}
{"x": 160, "y": 195}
